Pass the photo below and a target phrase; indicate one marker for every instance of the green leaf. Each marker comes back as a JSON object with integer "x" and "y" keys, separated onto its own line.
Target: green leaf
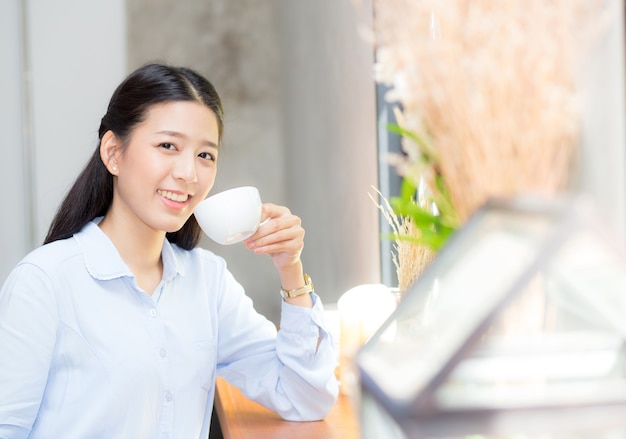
{"x": 433, "y": 230}
{"x": 427, "y": 151}
{"x": 407, "y": 190}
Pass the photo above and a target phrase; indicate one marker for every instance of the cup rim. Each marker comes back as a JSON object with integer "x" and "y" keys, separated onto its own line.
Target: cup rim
{"x": 227, "y": 191}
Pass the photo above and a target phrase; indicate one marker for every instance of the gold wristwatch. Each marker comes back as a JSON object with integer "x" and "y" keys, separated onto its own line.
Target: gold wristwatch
{"x": 306, "y": 289}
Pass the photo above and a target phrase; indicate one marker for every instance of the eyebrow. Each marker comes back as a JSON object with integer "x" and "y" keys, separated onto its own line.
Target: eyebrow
{"x": 183, "y": 136}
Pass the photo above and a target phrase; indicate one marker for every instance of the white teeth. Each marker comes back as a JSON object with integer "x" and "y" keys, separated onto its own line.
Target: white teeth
{"x": 172, "y": 196}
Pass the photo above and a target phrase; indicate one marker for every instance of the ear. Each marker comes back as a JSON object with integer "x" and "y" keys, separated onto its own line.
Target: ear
{"x": 110, "y": 148}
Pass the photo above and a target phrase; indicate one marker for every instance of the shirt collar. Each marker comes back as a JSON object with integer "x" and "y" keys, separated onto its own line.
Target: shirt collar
{"x": 172, "y": 264}
{"x": 103, "y": 261}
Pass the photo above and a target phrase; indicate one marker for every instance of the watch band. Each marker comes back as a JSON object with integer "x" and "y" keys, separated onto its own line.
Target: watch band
{"x": 306, "y": 289}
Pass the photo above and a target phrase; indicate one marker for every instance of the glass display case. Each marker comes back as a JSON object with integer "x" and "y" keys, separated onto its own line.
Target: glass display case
{"x": 516, "y": 330}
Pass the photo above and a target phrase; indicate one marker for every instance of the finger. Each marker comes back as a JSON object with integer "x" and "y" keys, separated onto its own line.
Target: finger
{"x": 275, "y": 225}
{"x": 279, "y": 249}
{"x": 270, "y": 210}
{"x": 281, "y": 240}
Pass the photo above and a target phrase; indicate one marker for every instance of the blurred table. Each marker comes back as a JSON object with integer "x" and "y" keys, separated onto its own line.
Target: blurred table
{"x": 241, "y": 418}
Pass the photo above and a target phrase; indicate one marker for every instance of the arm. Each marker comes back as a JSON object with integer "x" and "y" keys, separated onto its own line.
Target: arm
{"x": 286, "y": 372}
{"x": 28, "y": 324}
{"x": 291, "y": 373}
{"x": 282, "y": 238}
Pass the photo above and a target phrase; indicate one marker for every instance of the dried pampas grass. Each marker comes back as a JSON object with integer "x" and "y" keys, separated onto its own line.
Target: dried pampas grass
{"x": 493, "y": 84}
{"x": 409, "y": 257}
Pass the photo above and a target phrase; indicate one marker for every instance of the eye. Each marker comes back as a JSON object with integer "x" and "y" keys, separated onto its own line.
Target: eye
{"x": 207, "y": 156}
{"x": 167, "y": 145}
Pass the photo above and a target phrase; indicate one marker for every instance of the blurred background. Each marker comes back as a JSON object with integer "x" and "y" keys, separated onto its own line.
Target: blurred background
{"x": 302, "y": 119}
{"x": 296, "y": 81}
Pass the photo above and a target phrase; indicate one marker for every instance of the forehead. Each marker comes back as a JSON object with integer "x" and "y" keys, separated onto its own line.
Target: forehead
{"x": 189, "y": 118}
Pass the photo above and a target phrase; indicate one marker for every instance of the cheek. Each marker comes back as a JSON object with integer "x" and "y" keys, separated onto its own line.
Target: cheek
{"x": 205, "y": 183}
{"x": 142, "y": 169}
{"x": 138, "y": 179}
{"x": 129, "y": 189}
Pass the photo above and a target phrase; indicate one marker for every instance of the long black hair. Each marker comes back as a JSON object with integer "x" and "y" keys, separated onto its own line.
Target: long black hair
{"x": 91, "y": 194}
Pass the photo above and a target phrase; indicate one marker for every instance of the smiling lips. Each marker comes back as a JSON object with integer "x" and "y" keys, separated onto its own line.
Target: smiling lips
{"x": 179, "y": 198}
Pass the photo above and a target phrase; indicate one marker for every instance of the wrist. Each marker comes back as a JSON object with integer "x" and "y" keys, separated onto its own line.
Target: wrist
{"x": 307, "y": 288}
{"x": 300, "y": 294}
{"x": 292, "y": 277}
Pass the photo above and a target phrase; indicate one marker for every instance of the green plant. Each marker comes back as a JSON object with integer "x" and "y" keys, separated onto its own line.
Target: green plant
{"x": 421, "y": 217}
{"x": 429, "y": 207}
{"x": 434, "y": 229}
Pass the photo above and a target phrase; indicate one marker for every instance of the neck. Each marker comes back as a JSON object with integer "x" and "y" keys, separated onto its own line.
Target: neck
{"x": 139, "y": 247}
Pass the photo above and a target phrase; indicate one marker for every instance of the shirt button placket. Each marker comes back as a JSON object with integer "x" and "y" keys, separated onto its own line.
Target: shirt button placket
{"x": 168, "y": 396}
{"x": 167, "y": 412}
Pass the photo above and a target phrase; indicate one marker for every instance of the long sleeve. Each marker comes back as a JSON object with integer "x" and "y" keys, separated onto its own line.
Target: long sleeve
{"x": 288, "y": 371}
{"x": 28, "y": 327}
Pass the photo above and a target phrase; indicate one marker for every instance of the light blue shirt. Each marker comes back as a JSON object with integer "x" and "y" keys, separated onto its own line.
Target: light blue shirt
{"x": 84, "y": 353}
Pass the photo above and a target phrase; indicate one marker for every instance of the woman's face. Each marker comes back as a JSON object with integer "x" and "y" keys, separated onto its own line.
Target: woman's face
{"x": 168, "y": 166}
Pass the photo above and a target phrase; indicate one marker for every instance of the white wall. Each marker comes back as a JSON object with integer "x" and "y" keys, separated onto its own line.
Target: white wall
{"x": 60, "y": 63}
{"x": 13, "y": 220}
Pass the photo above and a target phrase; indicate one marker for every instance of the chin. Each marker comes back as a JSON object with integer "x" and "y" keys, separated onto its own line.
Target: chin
{"x": 172, "y": 228}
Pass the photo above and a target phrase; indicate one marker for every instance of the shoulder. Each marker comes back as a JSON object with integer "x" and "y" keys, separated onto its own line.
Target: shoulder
{"x": 49, "y": 257}
{"x": 42, "y": 267}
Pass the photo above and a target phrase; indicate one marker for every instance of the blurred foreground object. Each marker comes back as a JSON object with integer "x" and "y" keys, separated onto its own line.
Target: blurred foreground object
{"x": 516, "y": 328}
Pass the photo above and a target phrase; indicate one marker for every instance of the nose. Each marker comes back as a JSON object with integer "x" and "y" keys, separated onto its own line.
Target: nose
{"x": 185, "y": 170}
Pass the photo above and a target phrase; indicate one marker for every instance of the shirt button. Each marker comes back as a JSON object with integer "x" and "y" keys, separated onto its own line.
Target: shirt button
{"x": 163, "y": 353}
{"x": 168, "y": 396}
{"x": 153, "y": 312}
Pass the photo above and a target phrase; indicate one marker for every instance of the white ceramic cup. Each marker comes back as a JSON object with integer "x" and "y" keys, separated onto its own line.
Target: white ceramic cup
{"x": 230, "y": 216}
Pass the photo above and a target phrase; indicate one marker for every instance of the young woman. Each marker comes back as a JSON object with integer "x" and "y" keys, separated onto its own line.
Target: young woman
{"x": 118, "y": 326}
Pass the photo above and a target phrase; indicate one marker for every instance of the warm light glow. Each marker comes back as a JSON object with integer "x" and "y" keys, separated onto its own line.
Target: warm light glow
{"x": 362, "y": 310}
